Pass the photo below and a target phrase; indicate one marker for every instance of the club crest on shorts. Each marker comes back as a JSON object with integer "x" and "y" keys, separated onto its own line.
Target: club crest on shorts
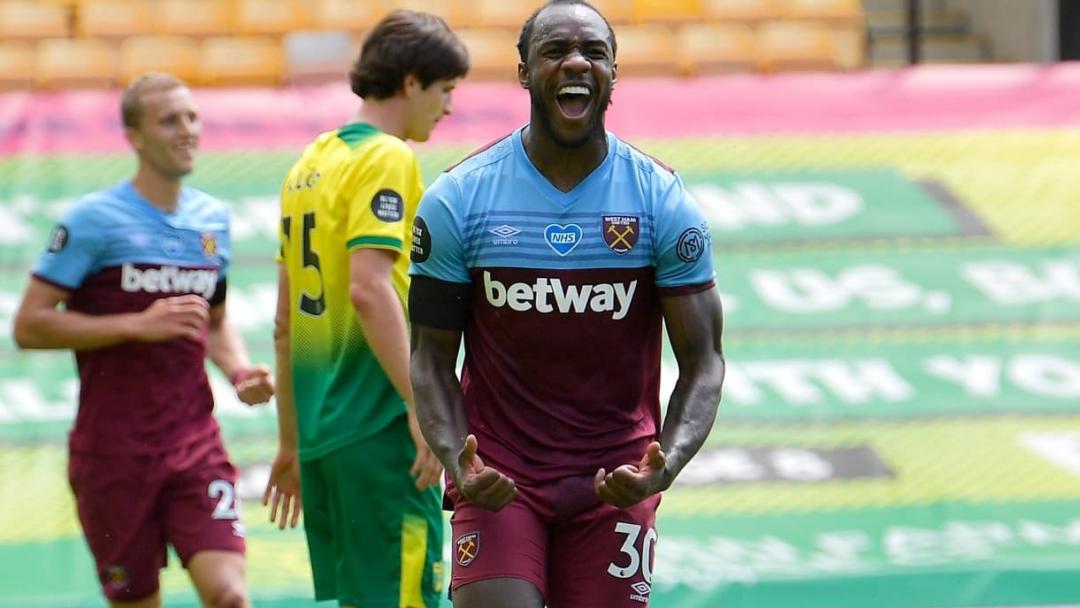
{"x": 621, "y": 232}
{"x": 468, "y": 546}
{"x": 116, "y": 577}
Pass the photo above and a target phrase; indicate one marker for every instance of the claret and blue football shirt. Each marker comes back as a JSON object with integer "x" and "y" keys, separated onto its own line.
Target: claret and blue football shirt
{"x": 116, "y": 253}
{"x": 562, "y": 363}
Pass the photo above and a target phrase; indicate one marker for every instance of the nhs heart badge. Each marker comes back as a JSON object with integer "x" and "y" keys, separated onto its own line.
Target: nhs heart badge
{"x": 561, "y": 238}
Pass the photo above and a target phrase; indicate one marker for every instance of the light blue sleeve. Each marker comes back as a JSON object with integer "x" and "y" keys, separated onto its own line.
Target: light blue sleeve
{"x": 438, "y": 247}
{"x": 75, "y": 246}
{"x": 683, "y": 255}
{"x": 224, "y": 245}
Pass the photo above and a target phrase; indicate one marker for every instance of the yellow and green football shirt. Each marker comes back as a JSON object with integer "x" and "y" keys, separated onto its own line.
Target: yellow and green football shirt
{"x": 354, "y": 187}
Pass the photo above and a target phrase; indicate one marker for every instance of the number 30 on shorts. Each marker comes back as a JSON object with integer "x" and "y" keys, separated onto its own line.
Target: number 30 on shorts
{"x": 637, "y": 558}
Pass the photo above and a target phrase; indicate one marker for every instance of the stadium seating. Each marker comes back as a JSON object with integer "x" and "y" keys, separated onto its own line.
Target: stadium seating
{"x": 348, "y": 15}
{"x": 492, "y": 53}
{"x": 786, "y": 46}
{"x": 314, "y": 56}
{"x": 75, "y": 62}
{"x": 30, "y": 20}
{"x": 113, "y": 19}
{"x": 455, "y": 12}
{"x": 646, "y": 50}
{"x": 667, "y": 11}
{"x": 716, "y": 47}
{"x": 238, "y": 60}
{"x": 198, "y": 18}
{"x": 617, "y": 12}
{"x": 744, "y": 11}
{"x": 16, "y": 65}
{"x": 500, "y": 14}
{"x": 270, "y": 17}
{"x": 300, "y": 40}
{"x": 836, "y": 12}
{"x": 177, "y": 55}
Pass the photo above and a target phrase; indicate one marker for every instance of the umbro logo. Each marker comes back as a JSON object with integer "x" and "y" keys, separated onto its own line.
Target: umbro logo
{"x": 505, "y": 234}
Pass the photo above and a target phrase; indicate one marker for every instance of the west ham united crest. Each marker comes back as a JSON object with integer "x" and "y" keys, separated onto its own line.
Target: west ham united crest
{"x": 621, "y": 232}
{"x": 209, "y": 244}
{"x": 468, "y": 546}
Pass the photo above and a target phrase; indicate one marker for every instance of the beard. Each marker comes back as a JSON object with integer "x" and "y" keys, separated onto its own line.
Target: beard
{"x": 595, "y": 128}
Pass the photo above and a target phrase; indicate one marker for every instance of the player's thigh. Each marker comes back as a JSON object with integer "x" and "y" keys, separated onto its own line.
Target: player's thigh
{"x": 200, "y": 505}
{"x": 604, "y": 557}
{"x": 499, "y": 593}
{"x": 508, "y": 545}
{"x": 218, "y": 577}
{"x": 389, "y": 534}
{"x": 116, "y": 499}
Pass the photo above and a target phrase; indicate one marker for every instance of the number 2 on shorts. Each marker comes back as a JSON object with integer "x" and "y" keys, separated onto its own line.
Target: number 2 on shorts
{"x": 226, "y": 495}
{"x": 638, "y": 559}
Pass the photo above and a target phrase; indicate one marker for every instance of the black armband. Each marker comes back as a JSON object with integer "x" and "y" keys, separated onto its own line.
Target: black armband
{"x": 219, "y": 293}
{"x": 439, "y": 304}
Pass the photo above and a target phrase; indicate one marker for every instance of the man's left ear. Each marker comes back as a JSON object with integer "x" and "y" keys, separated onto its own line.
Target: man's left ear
{"x": 614, "y": 74}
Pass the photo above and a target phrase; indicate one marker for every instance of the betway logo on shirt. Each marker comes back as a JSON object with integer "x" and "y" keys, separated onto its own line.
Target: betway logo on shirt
{"x": 168, "y": 279}
{"x": 551, "y": 295}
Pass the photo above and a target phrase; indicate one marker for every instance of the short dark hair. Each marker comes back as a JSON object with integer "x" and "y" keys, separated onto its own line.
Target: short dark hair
{"x": 407, "y": 42}
{"x": 525, "y": 38}
{"x": 131, "y": 99}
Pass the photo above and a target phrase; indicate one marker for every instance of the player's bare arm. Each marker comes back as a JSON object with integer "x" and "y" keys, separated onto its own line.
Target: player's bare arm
{"x": 225, "y": 347}
{"x": 282, "y": 492}
{"x": 378, "y": 309}
{"x": 41, "y": 323}
{"x": 441, "y": 413}
{"x": 694, "y": 326}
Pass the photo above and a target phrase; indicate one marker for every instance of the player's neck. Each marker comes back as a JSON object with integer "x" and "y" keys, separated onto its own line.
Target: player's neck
{"x": 386, "y": 115}
{"x": 158, "y": 190}
{"x": 565, "y": 167}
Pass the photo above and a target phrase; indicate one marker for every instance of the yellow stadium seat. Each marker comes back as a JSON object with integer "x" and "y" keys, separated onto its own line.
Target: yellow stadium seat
{"x": 64, "y": 62}
{"x": 746, "y": 11}
{"x": 836, "y": 12}
{"x": 501, "y": 14}
{"x": 317, "y": 56}
{"x": 177, "y": 55}
{"x": 787, "y": 46}
{"x": 646, "y": 50}
{"x": 348, "y": 15}
{"x": 114, "y": 18}
{"x": 270, "y": 17}
{"x": 716, "y": 47}
{"x": 615, "y": 11}
{"x": 492, "y": 54}
{"x": 456, "y": 13}
{"x": 849, "y": 46}
{"x": 667, "y": 11}
{"x": 194, "y": 17}
{"x": 16, "y": 65}
{"x": 240, "y": 61}
{"x": 30, "y": 20}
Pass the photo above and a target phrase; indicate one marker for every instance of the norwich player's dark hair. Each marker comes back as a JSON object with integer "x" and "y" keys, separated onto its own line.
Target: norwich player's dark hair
{"x": 403, "y": 43}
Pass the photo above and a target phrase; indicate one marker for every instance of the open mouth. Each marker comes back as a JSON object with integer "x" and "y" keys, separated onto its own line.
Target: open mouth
{"x": 573, "y": 100}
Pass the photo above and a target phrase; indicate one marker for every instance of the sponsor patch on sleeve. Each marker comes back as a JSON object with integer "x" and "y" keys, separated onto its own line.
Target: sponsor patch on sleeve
{"x": 421, "y": 241}
{"x": 59, "y": 238}
{"x": 388, "y": 206}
